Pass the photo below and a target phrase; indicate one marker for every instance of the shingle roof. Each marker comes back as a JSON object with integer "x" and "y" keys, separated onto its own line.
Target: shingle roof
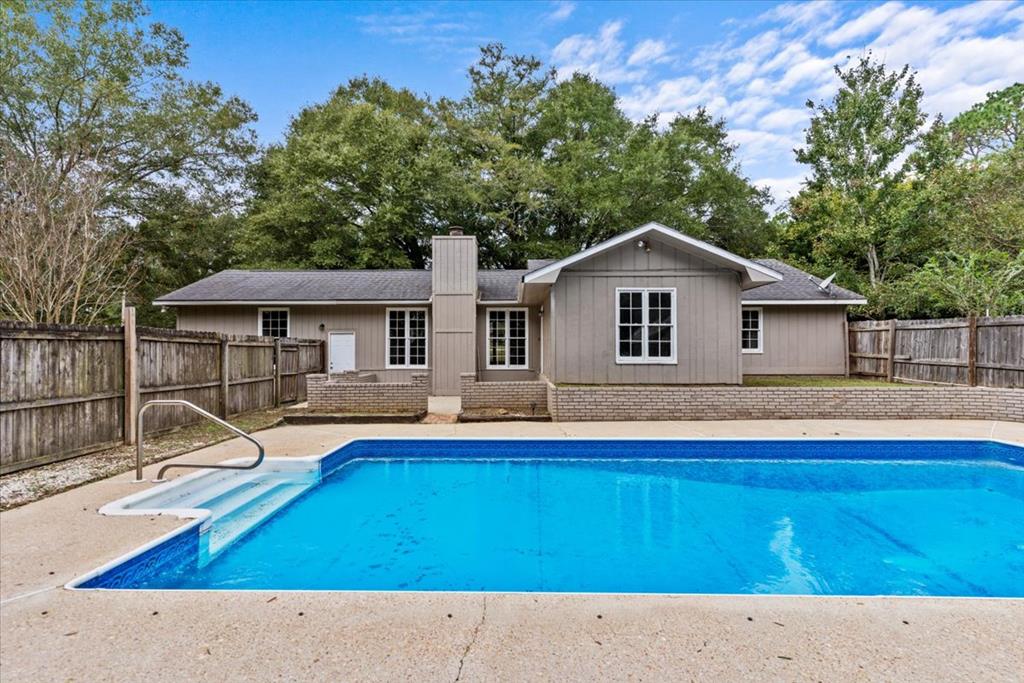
{"x": 257, "y": 286}
{"x": 332, "y": 285}
{"x": 306, "y": 285}
{"x": 499, "y": 285}
{"x": 796, "y": 285}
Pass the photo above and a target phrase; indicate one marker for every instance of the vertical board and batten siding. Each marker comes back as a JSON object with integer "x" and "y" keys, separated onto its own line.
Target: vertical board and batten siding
{"x": 62, "y": 387}
{"x": 533, "y": 336}
{"x": 939, "y": 351}
{"x": 454, "y": 282}
{"x": 707, "y": 318}
{"x": 367, "y": 322}
{"x": 799, "y": 340}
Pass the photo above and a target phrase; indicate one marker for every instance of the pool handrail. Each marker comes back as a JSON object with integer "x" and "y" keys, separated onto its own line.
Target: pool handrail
{"x": 209, "y": 416}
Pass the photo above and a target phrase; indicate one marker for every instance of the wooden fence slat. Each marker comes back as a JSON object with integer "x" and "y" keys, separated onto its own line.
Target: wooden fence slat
{"x": 70, "y": 390}
{"x": 966, "y": 351}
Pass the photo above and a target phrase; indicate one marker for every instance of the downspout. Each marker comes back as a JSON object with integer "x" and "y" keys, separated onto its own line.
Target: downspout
{"x": 541, "y": 316}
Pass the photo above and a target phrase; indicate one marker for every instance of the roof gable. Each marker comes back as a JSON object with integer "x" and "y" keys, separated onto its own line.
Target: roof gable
{"x": 751, "y": 274}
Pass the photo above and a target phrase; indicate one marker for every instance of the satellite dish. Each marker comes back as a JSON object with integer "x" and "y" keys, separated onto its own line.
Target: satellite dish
{"x": 824, "y": 284}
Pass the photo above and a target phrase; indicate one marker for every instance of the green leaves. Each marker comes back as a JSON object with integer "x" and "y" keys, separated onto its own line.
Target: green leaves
{"x": 928, "y": 223}
{"x": 532, "y": 167}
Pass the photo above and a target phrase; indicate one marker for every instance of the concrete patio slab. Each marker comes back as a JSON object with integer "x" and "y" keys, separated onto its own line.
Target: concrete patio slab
{"x": 49, "y": 633}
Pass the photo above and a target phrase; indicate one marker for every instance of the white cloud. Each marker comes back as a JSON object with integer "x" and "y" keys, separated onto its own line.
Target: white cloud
{"x": 783, "y": 119}
{"x": 562, "y": 11}
{"x": 863, "y": 25}
{"x": 760, "y": 75}
{"x": 648, "y": 51}
{"x": 782, "y": 188}
{"x": 601, "y": 56}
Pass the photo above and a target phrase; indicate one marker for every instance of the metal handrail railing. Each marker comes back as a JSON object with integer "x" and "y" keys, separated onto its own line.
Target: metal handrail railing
{"x": 209, "y": 416}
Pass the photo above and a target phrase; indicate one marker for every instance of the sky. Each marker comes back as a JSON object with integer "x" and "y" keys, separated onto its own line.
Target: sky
{"x": 754, "y": 63}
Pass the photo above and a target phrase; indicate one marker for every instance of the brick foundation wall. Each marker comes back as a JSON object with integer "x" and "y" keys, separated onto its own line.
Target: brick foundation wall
{"x": 523, "y": 397}
{"x": 583, "y": 403}
{"x": 352, "y": 376}
{"x": 346, "y": 396}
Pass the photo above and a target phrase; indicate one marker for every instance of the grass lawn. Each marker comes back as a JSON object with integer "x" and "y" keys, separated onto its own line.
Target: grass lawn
{"x": 815, "y": 381}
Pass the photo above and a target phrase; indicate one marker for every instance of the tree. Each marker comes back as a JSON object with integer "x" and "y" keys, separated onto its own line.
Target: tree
{"x": 354, "y": 185}
{"x": 61, "y": 257}
{"x": 96, "y": 104}
{"x": 855, "y": 146}
{"x": 183, "y": 238}
{"x": 83, "y": 83}
{"x": 973, "y": 283}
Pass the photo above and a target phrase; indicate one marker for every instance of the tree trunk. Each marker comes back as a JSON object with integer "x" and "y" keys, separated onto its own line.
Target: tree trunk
{"x": 872, "y": 265}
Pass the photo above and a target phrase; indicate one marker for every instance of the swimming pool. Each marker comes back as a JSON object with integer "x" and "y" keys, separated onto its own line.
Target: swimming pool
{"x": 843, "y": 517}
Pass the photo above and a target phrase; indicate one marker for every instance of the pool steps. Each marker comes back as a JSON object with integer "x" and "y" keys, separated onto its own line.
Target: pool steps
{"x": 230, "y": 503}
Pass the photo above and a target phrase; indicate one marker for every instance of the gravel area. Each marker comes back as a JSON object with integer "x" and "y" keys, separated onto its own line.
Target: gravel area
{"x": 33, "y": 484}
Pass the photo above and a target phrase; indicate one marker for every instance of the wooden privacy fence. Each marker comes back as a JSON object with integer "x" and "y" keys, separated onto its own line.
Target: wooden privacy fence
{"x": 62, "y": 387}
{"x": 970, "y": 351}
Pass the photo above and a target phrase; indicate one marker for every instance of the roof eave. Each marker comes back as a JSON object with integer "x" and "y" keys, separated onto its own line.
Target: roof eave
{"x": 289, "y": 302}
{"x": 804, "y": 302}
{"x": 753, "y": 274}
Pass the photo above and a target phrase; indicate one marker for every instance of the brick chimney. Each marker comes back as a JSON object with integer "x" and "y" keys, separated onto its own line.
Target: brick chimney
{"x": 453, "y": 318}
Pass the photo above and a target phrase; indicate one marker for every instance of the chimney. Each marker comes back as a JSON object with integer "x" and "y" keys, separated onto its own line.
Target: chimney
{"x": 453, "y": 315}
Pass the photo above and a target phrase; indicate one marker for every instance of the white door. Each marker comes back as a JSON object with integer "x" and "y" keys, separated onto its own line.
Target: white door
{"x": 342, "y": 351}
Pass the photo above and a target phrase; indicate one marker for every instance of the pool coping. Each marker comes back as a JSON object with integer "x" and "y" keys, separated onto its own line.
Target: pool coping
{"x": 199, "y": 516}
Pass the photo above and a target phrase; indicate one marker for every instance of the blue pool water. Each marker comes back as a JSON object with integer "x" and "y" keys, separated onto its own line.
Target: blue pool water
{"x": 799, "y": 517}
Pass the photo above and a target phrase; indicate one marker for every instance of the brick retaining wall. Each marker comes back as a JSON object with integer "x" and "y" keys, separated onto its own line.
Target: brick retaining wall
{"x": 524, "y": 397}
{"x": 346, "y": 396}
{"x": 583, "y": 403}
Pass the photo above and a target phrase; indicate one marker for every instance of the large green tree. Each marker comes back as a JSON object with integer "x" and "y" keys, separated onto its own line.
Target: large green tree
{"x": 356, "y": 184}
{"x": 531, "y": 166}
{"x": 855, "y": 146}
{"x": 94, "y": 105}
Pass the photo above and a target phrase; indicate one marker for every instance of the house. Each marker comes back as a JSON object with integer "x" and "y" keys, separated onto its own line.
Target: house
{"x": 650, "y": 306}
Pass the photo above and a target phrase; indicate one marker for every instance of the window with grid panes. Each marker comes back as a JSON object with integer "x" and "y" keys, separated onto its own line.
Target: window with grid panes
{"x": 645, "y": 325}
{"x": 507, "y": 338}
{"x": 407, "y": 337}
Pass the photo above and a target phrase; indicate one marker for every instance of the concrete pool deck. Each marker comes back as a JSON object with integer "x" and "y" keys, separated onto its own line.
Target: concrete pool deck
{"x": 49, "y": 633}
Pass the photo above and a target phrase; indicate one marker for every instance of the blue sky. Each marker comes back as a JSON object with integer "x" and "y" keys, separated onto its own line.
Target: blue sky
{"x": 755, "y": 63}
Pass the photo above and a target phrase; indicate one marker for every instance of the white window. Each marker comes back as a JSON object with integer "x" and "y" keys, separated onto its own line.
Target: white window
{"x": 407, "y": 338}
{"x": 273, "y": 322}
{"x": 751, "y": 330}
{"x": 645, "y": 325}
{"x": 507, "y": 333}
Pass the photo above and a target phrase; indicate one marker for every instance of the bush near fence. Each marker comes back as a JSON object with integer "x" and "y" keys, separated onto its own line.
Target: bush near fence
{"x": 62, "y": 387}
{"x": 969, "y": 351}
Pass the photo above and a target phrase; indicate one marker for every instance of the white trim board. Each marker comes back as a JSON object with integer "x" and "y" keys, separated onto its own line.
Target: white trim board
{"x": 754, "y": 274}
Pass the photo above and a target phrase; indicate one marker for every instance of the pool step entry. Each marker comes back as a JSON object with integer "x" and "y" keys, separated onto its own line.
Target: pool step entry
{"x": 233, "y": 502}
{"x": 243, "y": 510}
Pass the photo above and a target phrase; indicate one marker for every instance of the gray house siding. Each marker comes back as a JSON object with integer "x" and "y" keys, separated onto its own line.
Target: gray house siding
{"x": 367, "y": 321}
{"x": 800, "y": 340}
{"x": 707, "y": 313}
{"x": 454, "y": 304}
{"x": 533, "y": 346}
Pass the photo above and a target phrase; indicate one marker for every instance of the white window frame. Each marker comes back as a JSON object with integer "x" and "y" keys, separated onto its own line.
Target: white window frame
{"x": 645, "y": 323}
{"x": 487, "y": 349}
{"x": 259, "y": 319}
{"x": 760, "y": 329}
{"x": 387, "y": 339}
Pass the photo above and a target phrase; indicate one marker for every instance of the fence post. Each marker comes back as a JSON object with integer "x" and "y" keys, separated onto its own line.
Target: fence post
{"x": 225, "y": 376}
{"x": 323, "y": 357}
{"x": 890, "y": 368}
{"x": 131, "y": 374}
{"x": 972, "y": 351}
{"x": 846, "y": 345}
{"x": 277, "y": 372}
